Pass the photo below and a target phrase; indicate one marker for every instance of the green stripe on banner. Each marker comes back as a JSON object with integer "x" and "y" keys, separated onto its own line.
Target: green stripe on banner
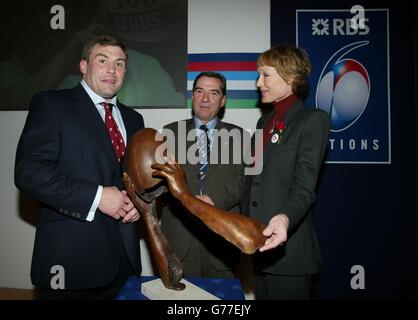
{"x": 235, "y": 103}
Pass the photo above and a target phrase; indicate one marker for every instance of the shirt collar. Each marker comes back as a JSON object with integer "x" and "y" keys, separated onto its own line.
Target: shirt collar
{"x": 94, "y": 96}
{"x": 211, "y": 124}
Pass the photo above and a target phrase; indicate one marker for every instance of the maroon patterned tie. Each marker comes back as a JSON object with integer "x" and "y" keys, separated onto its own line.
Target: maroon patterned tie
{"x": 113, "y": 131}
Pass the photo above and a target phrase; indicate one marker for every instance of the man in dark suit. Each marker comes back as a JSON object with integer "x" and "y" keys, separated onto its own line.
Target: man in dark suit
{"x": 202, "y": 252}
{"x": 86, "y": 243}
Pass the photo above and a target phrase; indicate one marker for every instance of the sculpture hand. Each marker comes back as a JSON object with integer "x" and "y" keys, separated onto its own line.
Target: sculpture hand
{"x": 140, "y": 204}
{"x": 175, "y": 177}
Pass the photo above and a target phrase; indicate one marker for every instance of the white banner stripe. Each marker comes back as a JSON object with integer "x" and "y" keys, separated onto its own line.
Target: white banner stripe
{"x": 232, "y": 85}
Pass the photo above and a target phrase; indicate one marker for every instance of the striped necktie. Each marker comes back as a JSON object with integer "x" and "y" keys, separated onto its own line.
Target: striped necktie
{"x": 204, "y": 154}
{"x": 113, "y": 131}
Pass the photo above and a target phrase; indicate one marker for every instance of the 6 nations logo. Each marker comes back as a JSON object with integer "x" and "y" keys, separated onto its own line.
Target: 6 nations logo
{"x": 343, "y": 88}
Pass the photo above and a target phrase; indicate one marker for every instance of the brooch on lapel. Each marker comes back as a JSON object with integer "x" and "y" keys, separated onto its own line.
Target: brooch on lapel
{"x": 278, "y": 136}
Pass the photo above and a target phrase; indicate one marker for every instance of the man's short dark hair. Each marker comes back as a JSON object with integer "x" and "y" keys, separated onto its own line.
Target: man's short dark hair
{"x": 102, "y": 40}
{"x": 211, "y": 74}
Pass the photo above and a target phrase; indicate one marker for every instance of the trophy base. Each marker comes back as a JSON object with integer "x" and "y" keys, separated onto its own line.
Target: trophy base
{"x": 155, "y": 290}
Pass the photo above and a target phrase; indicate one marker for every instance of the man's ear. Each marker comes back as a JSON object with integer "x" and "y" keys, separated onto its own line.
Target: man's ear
{"x": 83, "y": 66}
{"x": 223, "y": 101}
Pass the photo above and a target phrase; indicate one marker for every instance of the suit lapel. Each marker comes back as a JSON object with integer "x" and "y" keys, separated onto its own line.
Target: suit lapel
{"x": 189, "y": 127}
{"x": 293, "y": 111}
{"x": 130, "y": 127}
{"x": 192, "y": 168}
{"x": 266, "y": 120}
{"x": 212, "y": 167}
{"x": 88, "y": 113}
{"x": 260, "y": 125}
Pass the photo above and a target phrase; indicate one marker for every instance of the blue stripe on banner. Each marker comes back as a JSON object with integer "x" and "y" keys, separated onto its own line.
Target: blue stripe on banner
{"x": 236, "y": 94}
{"x": 230, "y": 75}
{"x": 212, "y": 57}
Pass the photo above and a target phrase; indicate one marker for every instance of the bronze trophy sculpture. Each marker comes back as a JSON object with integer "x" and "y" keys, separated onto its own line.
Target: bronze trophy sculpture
{"x": 144, "y": 185}
{"x": 143, "y": 189}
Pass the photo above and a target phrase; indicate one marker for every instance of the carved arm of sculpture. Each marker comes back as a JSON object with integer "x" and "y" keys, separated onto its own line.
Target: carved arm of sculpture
{"x": 244, "y": 232}
{"x": 169, "y": 266}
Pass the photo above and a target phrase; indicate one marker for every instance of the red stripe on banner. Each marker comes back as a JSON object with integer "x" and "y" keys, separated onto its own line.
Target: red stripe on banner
{"x": 223, "y": 66}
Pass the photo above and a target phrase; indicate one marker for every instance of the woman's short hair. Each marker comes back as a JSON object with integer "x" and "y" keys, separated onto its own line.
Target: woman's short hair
{"x": 290, "y": 62}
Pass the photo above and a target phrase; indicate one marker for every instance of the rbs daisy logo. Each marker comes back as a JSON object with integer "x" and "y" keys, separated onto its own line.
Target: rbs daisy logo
{"x": 350, "y": 80}
{"x": 343, "y": 88}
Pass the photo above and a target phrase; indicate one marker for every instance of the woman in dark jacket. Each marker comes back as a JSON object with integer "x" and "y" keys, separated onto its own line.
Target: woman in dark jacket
{"x": 294, "y": 142}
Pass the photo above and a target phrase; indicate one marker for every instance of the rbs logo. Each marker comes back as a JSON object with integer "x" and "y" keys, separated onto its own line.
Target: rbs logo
{"x": 345, "y": 27}
{"x": 339, "y": 27}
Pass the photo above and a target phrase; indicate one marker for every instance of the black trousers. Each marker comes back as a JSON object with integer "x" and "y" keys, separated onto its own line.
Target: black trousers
{"x": 108, "y": 292}
{"x": 282, "y": 287}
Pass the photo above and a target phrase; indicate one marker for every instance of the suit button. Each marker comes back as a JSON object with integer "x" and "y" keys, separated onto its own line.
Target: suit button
{"x": 256, "y": 183}
{"x": 254, "y": 203}
{"x": 78, "y": 215}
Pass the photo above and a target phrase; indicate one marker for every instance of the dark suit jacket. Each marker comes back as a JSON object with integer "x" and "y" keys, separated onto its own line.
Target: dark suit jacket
{"x": 63, "y": 154}
{"x": 287, "y": 184}
{"x": 223, "y": 184}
